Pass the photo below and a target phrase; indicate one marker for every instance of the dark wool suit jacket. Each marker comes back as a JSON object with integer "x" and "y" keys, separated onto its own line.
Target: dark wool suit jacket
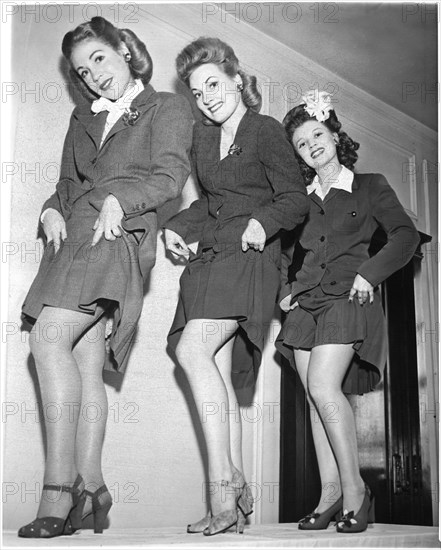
{"x": 143, "y": 165}
{"x": 263, "y": 182}
{"x": 337, "y": 233}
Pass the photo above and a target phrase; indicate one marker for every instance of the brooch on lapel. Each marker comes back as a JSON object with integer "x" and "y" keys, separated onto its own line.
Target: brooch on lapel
{"x": 235, "y": 150}
{"x": 130, "y": 116}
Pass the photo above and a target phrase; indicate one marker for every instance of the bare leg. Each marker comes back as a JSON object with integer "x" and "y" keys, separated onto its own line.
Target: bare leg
{"x": 51, "y": 342}
{"x": 327, "y": 367}
{"x": 197, "y": 347}
{"x": 329, "y": 475}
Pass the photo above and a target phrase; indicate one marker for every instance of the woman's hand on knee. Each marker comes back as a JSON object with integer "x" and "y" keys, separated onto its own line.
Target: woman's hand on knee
{"x": 176, "y": 244}
{"x": 254, "y": 236}
{"x": 363, "y": 289}
{"x": 54, "y": 227}
{"x": 109, "y": 220}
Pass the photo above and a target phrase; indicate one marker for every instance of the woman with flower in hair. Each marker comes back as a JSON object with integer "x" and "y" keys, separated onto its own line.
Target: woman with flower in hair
{"x": 125, "y": 154}
{"x": 335, "y": 332}
{"x": 250, "y": 189}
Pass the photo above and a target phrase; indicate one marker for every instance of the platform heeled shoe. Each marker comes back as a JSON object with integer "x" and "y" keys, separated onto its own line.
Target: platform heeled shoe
{"x": 317, "y": 522}
{"x": 356, "y": 523}
{"x": 235, "y": 516}
{"x": 52, "y": 526}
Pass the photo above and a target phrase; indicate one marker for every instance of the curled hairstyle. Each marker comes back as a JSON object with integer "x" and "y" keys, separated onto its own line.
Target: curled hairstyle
{"x": 346, "y": 147}
{"x": 98, "y": 28}
{"x": 212, "y": 50}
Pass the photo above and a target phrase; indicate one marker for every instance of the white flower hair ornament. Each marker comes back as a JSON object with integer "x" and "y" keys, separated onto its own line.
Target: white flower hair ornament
{"x": 318, "y": 104}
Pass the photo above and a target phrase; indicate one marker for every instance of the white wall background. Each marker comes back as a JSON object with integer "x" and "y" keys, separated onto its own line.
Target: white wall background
{"x": 153, "y": 459}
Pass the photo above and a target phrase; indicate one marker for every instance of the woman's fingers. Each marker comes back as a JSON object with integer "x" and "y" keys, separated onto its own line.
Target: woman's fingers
{"x": 179, "y": 249}
{"x": 176, "y": 244}
{"x": 352, "y": 293}
{"x": 63, "y": 232}
{"x": 362, "y": 295}
{"x": 254, "y": 236}
{"x": 99, "y": 230}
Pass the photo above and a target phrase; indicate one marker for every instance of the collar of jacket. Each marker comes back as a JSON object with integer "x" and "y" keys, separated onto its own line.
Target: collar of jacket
{"x": 335, "y": 192}
{"x": 94, "y": 123}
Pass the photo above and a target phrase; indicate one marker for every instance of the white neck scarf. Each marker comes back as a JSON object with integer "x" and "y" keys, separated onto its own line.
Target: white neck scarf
{"x": 117, "y": 108}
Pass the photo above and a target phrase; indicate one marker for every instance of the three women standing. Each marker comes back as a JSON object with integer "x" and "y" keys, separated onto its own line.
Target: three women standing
{"x": 125, "y": 154}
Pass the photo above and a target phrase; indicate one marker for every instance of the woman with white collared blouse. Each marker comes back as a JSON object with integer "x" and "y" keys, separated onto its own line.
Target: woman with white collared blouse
{"x": 335, "y": 332}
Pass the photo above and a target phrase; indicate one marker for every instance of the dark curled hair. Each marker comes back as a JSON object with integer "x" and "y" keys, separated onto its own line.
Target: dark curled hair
{"x": 212, "y": 50}
{"x": 346, "y": 147}
{"x": 98, "y": 28}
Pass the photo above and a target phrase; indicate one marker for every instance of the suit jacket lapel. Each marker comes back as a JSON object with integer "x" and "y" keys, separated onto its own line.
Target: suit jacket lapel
{"x": 142, "y": 102}
{"x": 332, "y": 193}
{"x": 94, "y": 123}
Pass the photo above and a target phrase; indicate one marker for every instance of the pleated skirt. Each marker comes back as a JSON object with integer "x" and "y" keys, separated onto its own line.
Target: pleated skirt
{"x": 322, "y": 319}
{"x": 78, "y": 276}
{"x": 223, "y": 282}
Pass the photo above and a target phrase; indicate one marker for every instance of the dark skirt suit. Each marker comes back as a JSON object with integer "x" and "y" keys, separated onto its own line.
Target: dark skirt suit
{"x": 143, "y": 165}
{"x": 260, "y": 179}
{"x": 336, "y": 238}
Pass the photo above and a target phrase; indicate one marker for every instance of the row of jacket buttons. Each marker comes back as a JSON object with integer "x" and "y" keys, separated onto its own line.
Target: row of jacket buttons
{"x": 137, "y": 207}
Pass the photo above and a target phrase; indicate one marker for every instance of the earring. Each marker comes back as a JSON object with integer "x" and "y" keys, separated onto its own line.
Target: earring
{"x": 239, "y": 87}
{"x": 128, "y": 57}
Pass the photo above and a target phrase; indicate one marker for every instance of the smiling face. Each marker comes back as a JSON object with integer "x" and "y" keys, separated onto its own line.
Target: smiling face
{"x": 216, "y": 93}
{"x": 104, "y": 70}
{"x": 315, "y": 143}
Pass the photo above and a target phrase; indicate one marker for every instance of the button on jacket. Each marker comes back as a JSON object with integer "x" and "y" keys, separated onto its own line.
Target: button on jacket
{"x": 337, "y": 233}
{"x": 260, "y": 179}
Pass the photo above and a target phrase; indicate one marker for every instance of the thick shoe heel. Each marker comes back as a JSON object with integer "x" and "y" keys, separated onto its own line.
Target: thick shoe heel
{"x": 241, "y": 519}
{"x": 99, "y": 518}
{"x": 371, "y": 513}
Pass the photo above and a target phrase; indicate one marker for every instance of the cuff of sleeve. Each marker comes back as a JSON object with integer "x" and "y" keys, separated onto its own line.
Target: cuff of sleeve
{"x": 176, "y": 227}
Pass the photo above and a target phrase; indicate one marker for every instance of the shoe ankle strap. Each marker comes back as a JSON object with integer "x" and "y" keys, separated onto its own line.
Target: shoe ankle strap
{"x": 60, "y": 487}
{"x": 94, "y": 495}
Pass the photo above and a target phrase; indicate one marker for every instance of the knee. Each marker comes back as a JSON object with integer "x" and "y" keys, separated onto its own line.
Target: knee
{"x": 318, "y": 392}
{"x": 184, "y": 354}
{"x": 190, "y": 355}
{"x": 43, "y": 350}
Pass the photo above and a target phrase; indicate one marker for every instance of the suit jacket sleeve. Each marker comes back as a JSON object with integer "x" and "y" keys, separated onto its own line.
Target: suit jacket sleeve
{"x": 402, "y": 237}
{"x": 59, "y": 200}
{"x": 190, "y": 222}
{"x": 290, "y": 203}
{"x": 160, "y": 177}
{"x": 286, "y": 260}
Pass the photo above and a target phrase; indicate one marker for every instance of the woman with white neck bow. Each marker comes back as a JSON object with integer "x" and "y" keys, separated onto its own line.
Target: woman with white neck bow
{"x": 125, "y": 155}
